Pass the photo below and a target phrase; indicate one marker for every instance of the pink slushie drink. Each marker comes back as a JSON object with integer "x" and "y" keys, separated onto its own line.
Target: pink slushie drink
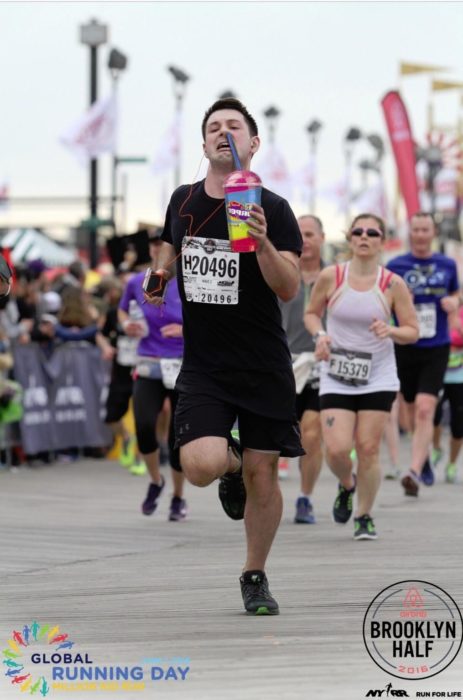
{"x": 242, "y": 188}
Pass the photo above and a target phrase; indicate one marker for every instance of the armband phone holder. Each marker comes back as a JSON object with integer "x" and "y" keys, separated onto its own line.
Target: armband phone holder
{"x": 154, "y": 285}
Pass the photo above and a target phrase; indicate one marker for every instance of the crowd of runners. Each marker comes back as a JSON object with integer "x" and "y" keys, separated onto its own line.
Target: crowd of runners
{"x": 297, "y": 360}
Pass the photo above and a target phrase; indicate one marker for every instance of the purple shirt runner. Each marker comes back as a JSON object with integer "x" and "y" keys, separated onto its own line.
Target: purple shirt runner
{"x": 154, "y": 345}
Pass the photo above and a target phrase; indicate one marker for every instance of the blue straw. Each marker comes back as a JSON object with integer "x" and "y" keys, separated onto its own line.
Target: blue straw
{"x": 231, "y": 143}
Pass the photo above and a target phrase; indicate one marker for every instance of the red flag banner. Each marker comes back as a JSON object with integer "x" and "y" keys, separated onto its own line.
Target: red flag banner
{"x": 400, "y": 134}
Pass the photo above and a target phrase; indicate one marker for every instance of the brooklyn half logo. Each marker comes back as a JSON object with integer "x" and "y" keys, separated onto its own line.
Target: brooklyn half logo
{"x": 413, "y": 630}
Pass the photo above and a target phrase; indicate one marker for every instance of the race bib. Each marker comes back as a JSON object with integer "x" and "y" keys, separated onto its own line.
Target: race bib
{"x": 147, "y": 368}
{"x": 426, "y": 314}
{"x": 210, "y": 271}
{"x": 170, "y": 369}
{"x": 353, "y": 368}
{"x": 127, "y": 350}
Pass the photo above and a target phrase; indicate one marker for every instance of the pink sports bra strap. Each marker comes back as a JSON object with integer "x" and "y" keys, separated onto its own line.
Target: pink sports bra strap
{"x": 384, "y": 279}
{"x": 340, "y": 274}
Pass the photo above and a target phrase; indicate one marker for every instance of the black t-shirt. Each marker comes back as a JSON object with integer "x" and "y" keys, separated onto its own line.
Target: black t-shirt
{"x": 231, "y": 317}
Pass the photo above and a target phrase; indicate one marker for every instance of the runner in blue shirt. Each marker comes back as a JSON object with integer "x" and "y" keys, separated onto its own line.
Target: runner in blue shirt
{"x": 433, "y": 281}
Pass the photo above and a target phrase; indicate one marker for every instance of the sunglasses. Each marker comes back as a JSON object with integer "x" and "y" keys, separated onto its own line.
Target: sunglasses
{"x": 371, "y": 232}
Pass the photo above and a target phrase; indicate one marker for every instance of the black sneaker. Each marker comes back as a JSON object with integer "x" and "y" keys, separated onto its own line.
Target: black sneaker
{"x": 150, "y": 503}
{"x": 342, "y": 508}
{"x": 257, "y": 598}
{"x": 411, "y": 484}
{"x": 364, "y": 528}
{"x": 178, "y": 509}
{"x": 232, "y": 492}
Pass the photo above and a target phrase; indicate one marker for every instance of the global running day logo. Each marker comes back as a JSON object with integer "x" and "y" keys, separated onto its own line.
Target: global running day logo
{"x": 413, "y": 630}
{"x": 34, "y": 671}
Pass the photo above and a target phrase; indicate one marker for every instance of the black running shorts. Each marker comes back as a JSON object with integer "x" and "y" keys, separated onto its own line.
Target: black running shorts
{"x": 198, "y": 415}
{"x": 376, "y": 401}
{"x": 421, "y": 370}
{"x": 307, "y": 400}
{"x": 119, "y": 394}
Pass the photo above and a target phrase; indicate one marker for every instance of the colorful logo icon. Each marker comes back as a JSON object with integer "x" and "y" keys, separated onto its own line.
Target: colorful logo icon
{"x": 15, "y": 656}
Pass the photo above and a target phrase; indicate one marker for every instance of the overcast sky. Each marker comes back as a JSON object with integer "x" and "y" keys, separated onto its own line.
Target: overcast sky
{"x": 333, "y": 61}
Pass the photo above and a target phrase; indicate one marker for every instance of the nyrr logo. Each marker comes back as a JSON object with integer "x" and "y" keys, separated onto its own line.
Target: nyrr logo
{"x": 413, "y": 630}
{"x": 387, "y": 692}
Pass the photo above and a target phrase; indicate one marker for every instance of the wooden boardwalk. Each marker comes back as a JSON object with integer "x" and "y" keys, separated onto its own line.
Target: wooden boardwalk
{"x": 77, "y": 553}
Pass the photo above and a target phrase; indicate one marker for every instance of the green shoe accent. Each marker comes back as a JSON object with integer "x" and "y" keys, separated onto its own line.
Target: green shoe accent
{"x": 138, "y": 469}
{"x": 235, "y": 434}
{"x": 127, "y": 456}
{"x": 436, "y": 456}
{"x": 353, "y": 454}
{"x": 451, "y": 473}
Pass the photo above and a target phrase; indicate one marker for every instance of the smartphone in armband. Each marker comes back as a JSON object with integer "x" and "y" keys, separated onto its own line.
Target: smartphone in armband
{"x": 154, "y": 285}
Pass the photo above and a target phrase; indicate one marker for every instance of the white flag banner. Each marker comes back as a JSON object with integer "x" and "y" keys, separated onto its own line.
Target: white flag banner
{"x": 95, "y": 132}
{"x": 338, "y": 193}
{"x": 166, "y": 157}
{"x": 304, "y": 180}
{"x": 274, "y": 173}
{"x": 373, "y": 200}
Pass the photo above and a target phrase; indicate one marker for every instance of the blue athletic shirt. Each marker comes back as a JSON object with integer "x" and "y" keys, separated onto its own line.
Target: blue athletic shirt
{"x": 429, "y": 280}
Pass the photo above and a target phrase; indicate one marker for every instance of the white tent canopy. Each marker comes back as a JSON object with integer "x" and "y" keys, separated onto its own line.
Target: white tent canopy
{"x": 28, "y": 244}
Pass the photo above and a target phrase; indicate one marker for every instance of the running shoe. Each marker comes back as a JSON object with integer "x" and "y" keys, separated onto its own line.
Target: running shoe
{"x": 343, "y": 506}
{"x": 436, "y": 456}
{"x": 364, "y": 528}
{"x": 150, "y": 503}
{"x": 257, "y": 598}
{"x": 427, "y": 473}
{"x": 451, "y": 473}
{"x": 304, "y": 511}
{"x": 232, "y": 492}
{"x": 411, "y": 483}
{"x": 178, "y": 509}
{"x": 127, "y": 455}
{"x": 392, "y": 473}
{"x": 138, "y": 468}
{"x": 283, "y": 468}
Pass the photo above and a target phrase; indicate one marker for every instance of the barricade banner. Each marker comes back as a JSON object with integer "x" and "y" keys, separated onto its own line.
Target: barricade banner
{"x": 63, "y": 396}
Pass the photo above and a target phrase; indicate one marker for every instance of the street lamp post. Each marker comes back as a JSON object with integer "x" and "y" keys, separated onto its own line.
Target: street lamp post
{"x": 313, "y": 130}
{"x": 226, "y": 94}
{"x": 93, "y": 35}
{"x": 117, "y": 62}
{"x": 180, "y": 79}
{"x": 353, "y": 135}
{"x": 271, "y": 114}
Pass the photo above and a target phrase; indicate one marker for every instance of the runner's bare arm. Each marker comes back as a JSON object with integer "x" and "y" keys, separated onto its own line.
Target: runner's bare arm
{"x": 451, "y": 303}
{"x": 280, "y": 269}
{"x": 321, "y": 292}
{"x": 166, "y": 267}
{"x": 319, "y": 296}
{"x": 167, "y": 261}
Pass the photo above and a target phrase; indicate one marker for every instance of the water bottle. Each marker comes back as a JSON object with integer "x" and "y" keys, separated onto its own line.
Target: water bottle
{"x": 136, "y": 314}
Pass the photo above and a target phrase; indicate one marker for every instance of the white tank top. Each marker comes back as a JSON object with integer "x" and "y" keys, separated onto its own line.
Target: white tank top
{"x": 350, "y": 313}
